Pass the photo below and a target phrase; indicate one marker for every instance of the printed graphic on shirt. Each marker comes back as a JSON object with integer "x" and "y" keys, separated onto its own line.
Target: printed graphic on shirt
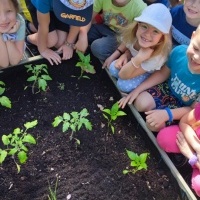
{"x": 115, "y": 20}
{"x": 186, "y": 93}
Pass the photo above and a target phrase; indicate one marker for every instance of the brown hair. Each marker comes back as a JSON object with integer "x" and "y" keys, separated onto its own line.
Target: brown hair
{"x": 128, "y": 36}
{"x": 15, "y": 4}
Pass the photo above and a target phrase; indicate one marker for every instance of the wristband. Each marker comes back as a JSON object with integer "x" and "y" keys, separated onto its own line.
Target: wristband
{"x": 119, "y": 51}
{"x": 134, "y": 65}
{"x": 70, "y": 44}
{"x": 169, "y": 114}
{"x": 193, "y": 160}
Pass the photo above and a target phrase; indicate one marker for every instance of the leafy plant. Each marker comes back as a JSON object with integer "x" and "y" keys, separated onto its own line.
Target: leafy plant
{"x": 112, "y": 114}
{"x": 15, "y": 143}
{"x": 53, "y": 192}
{"x": 138, "y": 162}
{"x": 85, "y": 65}
{"x": 4, "y": 101}
{"x": 39, "y": 77}
{"x": 73, "y": 121}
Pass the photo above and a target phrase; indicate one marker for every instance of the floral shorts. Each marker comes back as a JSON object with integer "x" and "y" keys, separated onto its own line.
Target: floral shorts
{"x": 163, "y": 97}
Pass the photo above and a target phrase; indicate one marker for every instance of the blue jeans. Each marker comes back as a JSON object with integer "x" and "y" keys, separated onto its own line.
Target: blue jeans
{"x": 127, "y": 85}
{"x": 102, "y": 41}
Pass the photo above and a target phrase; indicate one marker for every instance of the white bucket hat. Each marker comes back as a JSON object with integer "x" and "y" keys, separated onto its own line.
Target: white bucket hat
{"x": 158, "y": 16}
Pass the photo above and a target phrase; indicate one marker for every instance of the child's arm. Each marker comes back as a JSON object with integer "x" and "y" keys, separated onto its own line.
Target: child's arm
{"x": 116, "y": 54}
{"x": 186, "y": 126}
{"x": 15, "y": 51}
{"x": 157, "y": 118}
{"x": 156, "y": 78}
{"x": 43, "y": 31}
{"x": 133, "y": 68}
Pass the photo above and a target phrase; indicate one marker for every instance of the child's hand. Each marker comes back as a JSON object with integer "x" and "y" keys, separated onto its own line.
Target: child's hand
{"x": 121, "y": 61}
{"x": 51, "y": 56}
{"x": 107, "y": 62}
{"x": 144, "y": 54}
{"x": 15, "y": 27}
{"x": 128, "y": 99}
{"x": 156, "y": 118}
{"x": 67, "y": 52}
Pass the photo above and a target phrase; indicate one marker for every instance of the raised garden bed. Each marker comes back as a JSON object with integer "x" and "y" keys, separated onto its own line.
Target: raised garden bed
{"x": 91, "y": 170}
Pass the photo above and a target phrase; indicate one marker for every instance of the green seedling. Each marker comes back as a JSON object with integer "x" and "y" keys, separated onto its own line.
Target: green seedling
{"x": 53, "y": 192}
{"x": 85, "y": 65}
{"x": 73, "y": 121}
{"x": 16, "y": 144}
{"x": 61, "y": 86}
{"x": 112, "y": 114}
{"x": 4, "y": 101}
{"x": 138, "y": 162}
{"x": 39, "y": 77}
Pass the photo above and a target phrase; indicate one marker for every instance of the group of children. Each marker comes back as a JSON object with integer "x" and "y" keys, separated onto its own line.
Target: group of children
{"x": 153, "y": 51}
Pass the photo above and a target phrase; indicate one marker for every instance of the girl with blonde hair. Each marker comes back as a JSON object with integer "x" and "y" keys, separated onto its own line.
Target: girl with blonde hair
{"x": 145, "y": 46}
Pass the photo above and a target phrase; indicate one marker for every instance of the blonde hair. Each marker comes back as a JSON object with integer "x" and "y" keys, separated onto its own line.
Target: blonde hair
{"x": 128, "y": 36}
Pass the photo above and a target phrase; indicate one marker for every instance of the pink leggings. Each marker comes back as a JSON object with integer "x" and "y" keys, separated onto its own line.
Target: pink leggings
{"x": 166, "y": 139}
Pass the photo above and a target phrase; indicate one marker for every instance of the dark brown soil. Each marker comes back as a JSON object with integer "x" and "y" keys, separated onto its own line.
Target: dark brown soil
{"x": 91, "y": 171}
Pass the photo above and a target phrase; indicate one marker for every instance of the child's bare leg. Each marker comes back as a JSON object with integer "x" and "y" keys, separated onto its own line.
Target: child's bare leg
{"x": 184, "y": 147}
{"x": 144, "y": 102}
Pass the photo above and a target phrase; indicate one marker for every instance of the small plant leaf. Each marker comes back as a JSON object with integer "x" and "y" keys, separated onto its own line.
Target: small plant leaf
{"x": 5, "y": 101}
{"x": 106, "y": 111}
{"x": 125, "y": 171}
{"x": 5, "y": 140}
{"x": 22, "y": 156}
{"x": 32, "y": 78}
{"x": 17, "y": 131}
{"x": 66, "y": 116}
{"x": 12, "y": 151}
{"x": 42, "y": 84}
{"x": 3, "y": 155}
{"x": 32, "y": 124}
{"x": 46, "y": 77}
{"x": 121, "y": 113}
{"x": 131, "y": 155}
{"x": 57, "y": 121}
{"x": 65, "y": 126}
{"x": 29, "y": 139}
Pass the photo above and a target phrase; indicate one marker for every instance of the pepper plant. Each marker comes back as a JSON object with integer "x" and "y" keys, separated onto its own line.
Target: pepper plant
{"x": 16, "y": 144}
{"x": 73, "y": 121}
{"x": 4, "y": 101}
{"x": 138, "y": 162}
{"x": 85, "y": 65}
{"x": 39, "y": 77}
{"x": 112, "y": 114}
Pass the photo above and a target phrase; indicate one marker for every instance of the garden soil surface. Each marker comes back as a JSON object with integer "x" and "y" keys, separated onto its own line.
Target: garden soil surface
{"x": 91, "y": 170}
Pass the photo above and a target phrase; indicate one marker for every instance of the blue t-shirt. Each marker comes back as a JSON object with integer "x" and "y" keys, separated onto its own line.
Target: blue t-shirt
{"x": 183, "y": 84}
{"x": 165, "y": 2}
{"x": 43, "y": 6}
{"x": 181, "y": 30}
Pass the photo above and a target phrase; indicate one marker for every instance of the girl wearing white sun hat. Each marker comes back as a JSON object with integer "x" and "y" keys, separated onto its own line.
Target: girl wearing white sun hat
{"x": 145, "y": 46}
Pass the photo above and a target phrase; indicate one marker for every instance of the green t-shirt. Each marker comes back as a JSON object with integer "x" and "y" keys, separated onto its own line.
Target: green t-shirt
{"x": 118, "y": 17}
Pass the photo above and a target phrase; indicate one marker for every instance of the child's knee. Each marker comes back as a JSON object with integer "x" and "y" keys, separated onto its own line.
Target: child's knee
{"x": 166, "y": 139}
{"x": 144, "y": 102}
{"x": 113, "y": 70}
